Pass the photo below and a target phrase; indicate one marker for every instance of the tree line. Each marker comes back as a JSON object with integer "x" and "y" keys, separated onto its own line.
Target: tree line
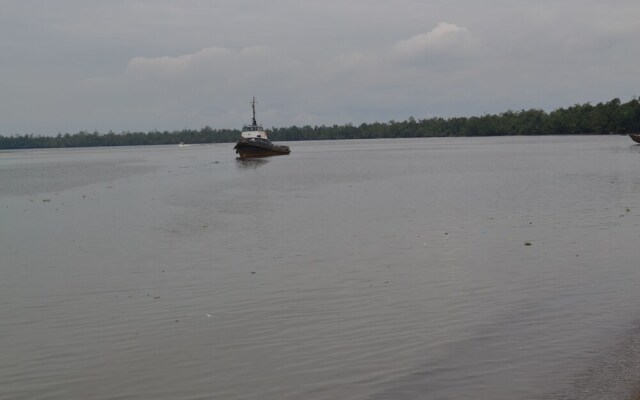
{"x": 612, "y": 117}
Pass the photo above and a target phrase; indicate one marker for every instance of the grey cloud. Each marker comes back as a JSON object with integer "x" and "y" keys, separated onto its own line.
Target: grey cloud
{"x": 69, "y": 65}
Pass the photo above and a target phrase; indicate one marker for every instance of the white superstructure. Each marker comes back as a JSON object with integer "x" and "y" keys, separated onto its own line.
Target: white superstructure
{"x": 253, "y": 132}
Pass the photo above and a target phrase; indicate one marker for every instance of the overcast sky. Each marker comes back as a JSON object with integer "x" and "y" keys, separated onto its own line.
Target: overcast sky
{"x": 71, "y": 65}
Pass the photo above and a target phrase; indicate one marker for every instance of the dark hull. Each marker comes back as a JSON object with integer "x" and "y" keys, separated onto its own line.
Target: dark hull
{"x": 251, "y": 149}
{"x": 635, "y": 137}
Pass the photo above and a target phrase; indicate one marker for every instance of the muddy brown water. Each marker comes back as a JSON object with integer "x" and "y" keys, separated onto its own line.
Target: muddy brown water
{"x": 494, "y": 268}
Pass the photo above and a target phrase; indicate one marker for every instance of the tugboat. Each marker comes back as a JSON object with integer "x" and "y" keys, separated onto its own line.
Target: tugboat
{"x": 254, "y": 141}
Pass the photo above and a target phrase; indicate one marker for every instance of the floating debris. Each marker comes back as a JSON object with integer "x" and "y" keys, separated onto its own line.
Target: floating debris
{"x": 527, "y": 243}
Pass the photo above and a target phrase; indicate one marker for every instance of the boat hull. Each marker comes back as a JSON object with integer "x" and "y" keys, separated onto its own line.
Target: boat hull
{"x": 251, "y": 149}
{"x": 635, "y": 137}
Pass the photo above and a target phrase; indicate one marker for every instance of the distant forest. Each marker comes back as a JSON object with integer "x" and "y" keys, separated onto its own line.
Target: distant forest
{"x": 612, "y": 117}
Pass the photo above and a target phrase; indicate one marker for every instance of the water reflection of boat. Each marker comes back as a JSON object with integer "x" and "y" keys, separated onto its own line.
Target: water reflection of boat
{"x": 250, "y": 163}
{"x": 254, "y": 141}
{"x": 635, "y": 137}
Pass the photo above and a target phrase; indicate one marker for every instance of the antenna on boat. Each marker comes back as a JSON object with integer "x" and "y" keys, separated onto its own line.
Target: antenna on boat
{"x": 253, "y": 106}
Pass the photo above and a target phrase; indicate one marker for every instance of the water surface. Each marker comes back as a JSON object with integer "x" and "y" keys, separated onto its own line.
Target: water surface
{"x": 497, "y": 268}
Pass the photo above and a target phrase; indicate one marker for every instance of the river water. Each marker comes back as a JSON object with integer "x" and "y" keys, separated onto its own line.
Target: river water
{"x": 445, "y": 268}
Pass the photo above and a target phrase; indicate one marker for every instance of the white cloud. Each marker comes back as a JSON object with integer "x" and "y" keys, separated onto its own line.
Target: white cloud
{"x": 442, "y": 36}
{"x": 443, "y": 41}
{"x": 211, "y": 61}
{"x": 211, "y": 86}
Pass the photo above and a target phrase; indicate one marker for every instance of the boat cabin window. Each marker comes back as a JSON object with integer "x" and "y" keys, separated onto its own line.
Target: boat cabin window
{"x": 252, "y": 128}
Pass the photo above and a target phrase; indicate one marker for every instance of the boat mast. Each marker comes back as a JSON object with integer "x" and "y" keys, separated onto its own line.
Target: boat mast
{"x": 253, "y": 106}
